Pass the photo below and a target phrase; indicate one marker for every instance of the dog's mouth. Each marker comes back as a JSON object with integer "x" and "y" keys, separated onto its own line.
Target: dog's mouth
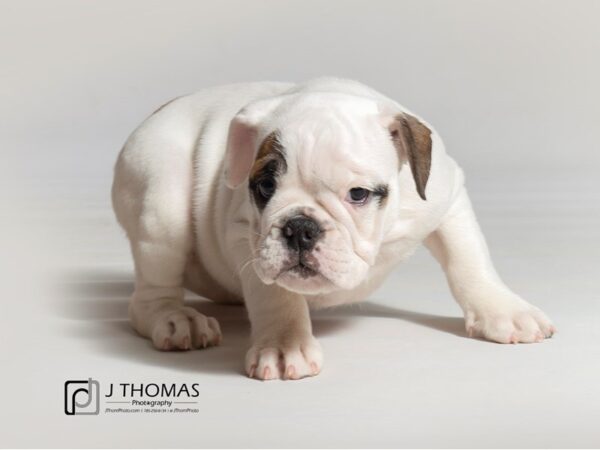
{"x": 303, "y": 265}
{"x": 301, "y": 273}
{"x": 303, "y": 270}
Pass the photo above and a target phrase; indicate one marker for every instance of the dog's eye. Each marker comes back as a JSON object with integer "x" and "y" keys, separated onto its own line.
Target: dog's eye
{"x": 358, "y": 196}
{"x": 266, "y": 188}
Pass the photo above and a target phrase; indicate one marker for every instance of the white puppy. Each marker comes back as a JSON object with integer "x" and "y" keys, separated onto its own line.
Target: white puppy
{"x": 288, "y": 197}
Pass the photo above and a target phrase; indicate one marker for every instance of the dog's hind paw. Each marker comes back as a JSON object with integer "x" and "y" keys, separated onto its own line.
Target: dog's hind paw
{"x": 184, "y": 328}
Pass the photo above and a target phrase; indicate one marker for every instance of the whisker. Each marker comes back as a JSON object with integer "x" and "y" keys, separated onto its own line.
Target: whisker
{"x": 246, "y": 264}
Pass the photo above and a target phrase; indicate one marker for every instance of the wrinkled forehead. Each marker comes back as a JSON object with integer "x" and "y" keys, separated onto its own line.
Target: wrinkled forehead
{"x": 336, "y": 142}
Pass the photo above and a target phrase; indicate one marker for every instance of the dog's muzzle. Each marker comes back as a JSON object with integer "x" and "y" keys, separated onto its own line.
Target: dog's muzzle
{"x": 301, "y": 233}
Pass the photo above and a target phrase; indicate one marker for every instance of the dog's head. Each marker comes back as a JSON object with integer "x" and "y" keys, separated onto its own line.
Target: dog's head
{"x": 322, "y": 171}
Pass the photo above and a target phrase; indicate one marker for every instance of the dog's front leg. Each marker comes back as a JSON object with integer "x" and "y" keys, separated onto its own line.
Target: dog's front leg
{"x": 491, "y": 309}
{"x": 283, "y": 345}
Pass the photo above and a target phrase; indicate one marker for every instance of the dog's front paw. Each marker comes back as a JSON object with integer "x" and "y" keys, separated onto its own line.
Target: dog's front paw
{"x": 184, "y": 328}
{"x": 287, "y": 358}
{"x": 509, "y": 321}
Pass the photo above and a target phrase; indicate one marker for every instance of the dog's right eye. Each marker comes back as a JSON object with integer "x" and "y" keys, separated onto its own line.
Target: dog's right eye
{"x": 266, "y": 188}
{"x": 358, "y": 196}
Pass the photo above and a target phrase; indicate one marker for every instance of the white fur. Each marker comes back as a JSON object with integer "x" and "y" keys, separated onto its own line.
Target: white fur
{"x": 191, "y": 221}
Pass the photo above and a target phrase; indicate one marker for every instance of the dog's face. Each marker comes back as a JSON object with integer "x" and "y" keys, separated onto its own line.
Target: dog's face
{"x": 322, "y": 171}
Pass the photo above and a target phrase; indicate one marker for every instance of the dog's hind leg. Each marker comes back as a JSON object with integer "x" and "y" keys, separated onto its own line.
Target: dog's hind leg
{"x": 152, "y": 192}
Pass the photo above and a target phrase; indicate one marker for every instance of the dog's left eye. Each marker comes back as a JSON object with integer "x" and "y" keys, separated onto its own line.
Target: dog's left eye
{"x": 358, "y": 196}
{"x": 266, "y": 188}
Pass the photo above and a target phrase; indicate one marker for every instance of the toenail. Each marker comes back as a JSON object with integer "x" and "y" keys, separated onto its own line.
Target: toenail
{"x": 291, "y": 372}
{"x": 252, "y": 370}
{"x": 267, "y": 373}
{"x": 314, "y": 368}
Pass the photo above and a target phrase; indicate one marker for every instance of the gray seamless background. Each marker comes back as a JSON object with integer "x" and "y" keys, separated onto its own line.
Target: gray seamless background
{"x": 511, "y": 86}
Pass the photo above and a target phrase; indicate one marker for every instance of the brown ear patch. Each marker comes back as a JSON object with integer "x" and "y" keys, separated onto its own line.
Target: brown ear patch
{"x": 412, "y": 139}
{"x": 270, "y": 150}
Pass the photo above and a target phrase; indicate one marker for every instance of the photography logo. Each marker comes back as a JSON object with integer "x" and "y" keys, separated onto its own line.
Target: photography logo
{"x": 82, "y": 397}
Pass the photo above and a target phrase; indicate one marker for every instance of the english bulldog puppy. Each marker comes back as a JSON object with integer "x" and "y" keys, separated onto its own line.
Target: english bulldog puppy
{"x": 288, "y": 197}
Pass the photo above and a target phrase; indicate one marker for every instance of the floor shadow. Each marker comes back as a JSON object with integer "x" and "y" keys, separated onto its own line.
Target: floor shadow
{"x": 446, "y": 324}
{"x": 96, "y": 303}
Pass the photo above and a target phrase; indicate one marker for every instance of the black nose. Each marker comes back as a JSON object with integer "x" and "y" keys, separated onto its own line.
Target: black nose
{"x": 301, "y": 233}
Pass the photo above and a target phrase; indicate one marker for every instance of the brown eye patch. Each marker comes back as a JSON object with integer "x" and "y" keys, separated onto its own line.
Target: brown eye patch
{"x": 268, "y": 166}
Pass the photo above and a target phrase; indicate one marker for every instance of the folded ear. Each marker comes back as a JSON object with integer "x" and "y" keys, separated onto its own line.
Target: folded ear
{"x": 242, "y": 142}
{"x": 241, "y": 145}
{"x": 412, "y": 140}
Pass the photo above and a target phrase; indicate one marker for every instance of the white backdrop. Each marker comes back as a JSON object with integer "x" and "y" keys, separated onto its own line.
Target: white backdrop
{"x": 512, "y": 86}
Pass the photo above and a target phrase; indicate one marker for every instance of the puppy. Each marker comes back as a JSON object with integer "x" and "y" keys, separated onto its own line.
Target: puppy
{"x": 288, "y": 197}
